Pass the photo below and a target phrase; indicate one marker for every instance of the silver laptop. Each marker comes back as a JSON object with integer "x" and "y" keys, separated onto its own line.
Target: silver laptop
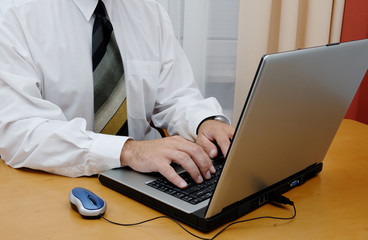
{"x": 293, "y": 110}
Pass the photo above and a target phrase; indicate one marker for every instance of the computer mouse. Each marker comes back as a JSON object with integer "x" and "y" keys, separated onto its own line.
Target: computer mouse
{"x": 86, "y": 203}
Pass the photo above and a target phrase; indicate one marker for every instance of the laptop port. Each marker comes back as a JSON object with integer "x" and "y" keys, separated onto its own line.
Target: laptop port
{"x": 262, "y": 200}
{"x": 294, "y": 183}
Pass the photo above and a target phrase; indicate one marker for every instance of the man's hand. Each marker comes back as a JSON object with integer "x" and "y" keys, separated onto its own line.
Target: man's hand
{"x": 157, "y": 156}
{"x": 212, "y": 132}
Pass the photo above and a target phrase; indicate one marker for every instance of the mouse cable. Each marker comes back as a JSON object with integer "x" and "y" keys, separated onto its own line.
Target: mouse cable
{"x": 274, "y": 198}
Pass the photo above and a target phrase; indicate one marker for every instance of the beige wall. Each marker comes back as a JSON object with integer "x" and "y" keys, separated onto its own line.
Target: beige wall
{"x": 269, "y": 26}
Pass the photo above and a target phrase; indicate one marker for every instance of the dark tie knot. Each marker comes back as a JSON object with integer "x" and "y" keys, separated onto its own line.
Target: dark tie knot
{"x": 102, "y": 24}
{"x": 100, "y": 10}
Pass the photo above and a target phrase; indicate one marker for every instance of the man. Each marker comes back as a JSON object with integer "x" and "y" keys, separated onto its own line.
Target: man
{"x": 47, "y": 112}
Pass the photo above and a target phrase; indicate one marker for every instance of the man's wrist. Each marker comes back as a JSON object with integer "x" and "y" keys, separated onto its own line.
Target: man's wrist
{"x": 217, "y": 118}
{"x": 126, "y": 153}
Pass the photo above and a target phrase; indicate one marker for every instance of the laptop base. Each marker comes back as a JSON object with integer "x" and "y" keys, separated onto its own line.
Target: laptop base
{"x": 230, "y": 213}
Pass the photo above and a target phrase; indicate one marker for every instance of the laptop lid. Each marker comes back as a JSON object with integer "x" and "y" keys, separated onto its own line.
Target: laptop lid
{"x": 290, "y": 117}
{"x": 296, "y": 104}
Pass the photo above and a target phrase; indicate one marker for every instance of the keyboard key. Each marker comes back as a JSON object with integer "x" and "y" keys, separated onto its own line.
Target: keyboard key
{"x": 179, "y": 195}
{"x": 187, "y": 198}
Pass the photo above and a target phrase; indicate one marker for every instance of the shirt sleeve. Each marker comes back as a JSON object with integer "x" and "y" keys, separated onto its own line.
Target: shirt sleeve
{"x": 180, "y": 106}
{"x": 35, "y": 132}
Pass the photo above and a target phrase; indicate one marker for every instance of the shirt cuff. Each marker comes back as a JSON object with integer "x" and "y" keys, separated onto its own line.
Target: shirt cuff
{"x": 106, "y": 150}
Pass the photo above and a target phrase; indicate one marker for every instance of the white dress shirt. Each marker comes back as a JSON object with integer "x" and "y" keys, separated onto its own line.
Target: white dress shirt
{"x": 46, "y": 83}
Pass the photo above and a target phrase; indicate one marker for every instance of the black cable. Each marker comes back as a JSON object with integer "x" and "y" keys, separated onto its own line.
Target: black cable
{"x": 152, "y": 219}
{"x": 253, "y": 219}
{"x": 276, "y": 198}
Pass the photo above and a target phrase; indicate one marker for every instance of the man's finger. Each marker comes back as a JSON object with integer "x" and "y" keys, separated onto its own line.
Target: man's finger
{"x": 196, "y": 158}
{"x": 184, "y": 160}
{"x": 170, "y": 174}
{"x": 208, "y": 146}
{"x": 216, "y": 133}
{"x": 224, "y": 144}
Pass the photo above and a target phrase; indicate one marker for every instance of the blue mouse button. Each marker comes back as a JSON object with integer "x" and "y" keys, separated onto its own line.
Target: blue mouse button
{"x": 86, "y": 203}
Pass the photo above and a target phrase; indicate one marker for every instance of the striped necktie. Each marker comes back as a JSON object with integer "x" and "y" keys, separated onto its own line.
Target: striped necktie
{"x": 108, "y": 77}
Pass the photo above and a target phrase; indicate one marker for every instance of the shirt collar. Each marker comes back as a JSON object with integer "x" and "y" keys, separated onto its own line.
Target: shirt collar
{"x": 87, "y": 7}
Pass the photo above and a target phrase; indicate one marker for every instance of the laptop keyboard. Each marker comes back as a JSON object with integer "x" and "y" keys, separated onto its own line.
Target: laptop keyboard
{"x": 194, "y": 193}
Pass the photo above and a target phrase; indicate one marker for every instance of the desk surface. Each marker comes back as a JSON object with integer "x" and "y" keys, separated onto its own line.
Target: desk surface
{"x": 333, "y": 205}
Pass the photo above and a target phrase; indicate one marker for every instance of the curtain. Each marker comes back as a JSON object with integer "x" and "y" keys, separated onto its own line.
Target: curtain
{"x": 280, "y": 25}
{"x": 355, "y": 27}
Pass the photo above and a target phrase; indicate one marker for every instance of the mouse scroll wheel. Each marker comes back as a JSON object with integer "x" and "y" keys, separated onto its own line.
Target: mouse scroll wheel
{"x": 92, "y": 200}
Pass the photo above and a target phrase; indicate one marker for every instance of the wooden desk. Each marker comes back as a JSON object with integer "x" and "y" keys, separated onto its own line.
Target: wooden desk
{"x": 333, "y": 205}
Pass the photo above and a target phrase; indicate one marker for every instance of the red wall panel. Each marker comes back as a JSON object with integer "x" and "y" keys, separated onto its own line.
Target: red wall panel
{"x": 355, "y": 27}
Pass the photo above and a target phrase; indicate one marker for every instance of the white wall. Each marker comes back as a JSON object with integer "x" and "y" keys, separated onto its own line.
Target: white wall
{"x": 208, "y": 31}
{"x": 222, "y": 52}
